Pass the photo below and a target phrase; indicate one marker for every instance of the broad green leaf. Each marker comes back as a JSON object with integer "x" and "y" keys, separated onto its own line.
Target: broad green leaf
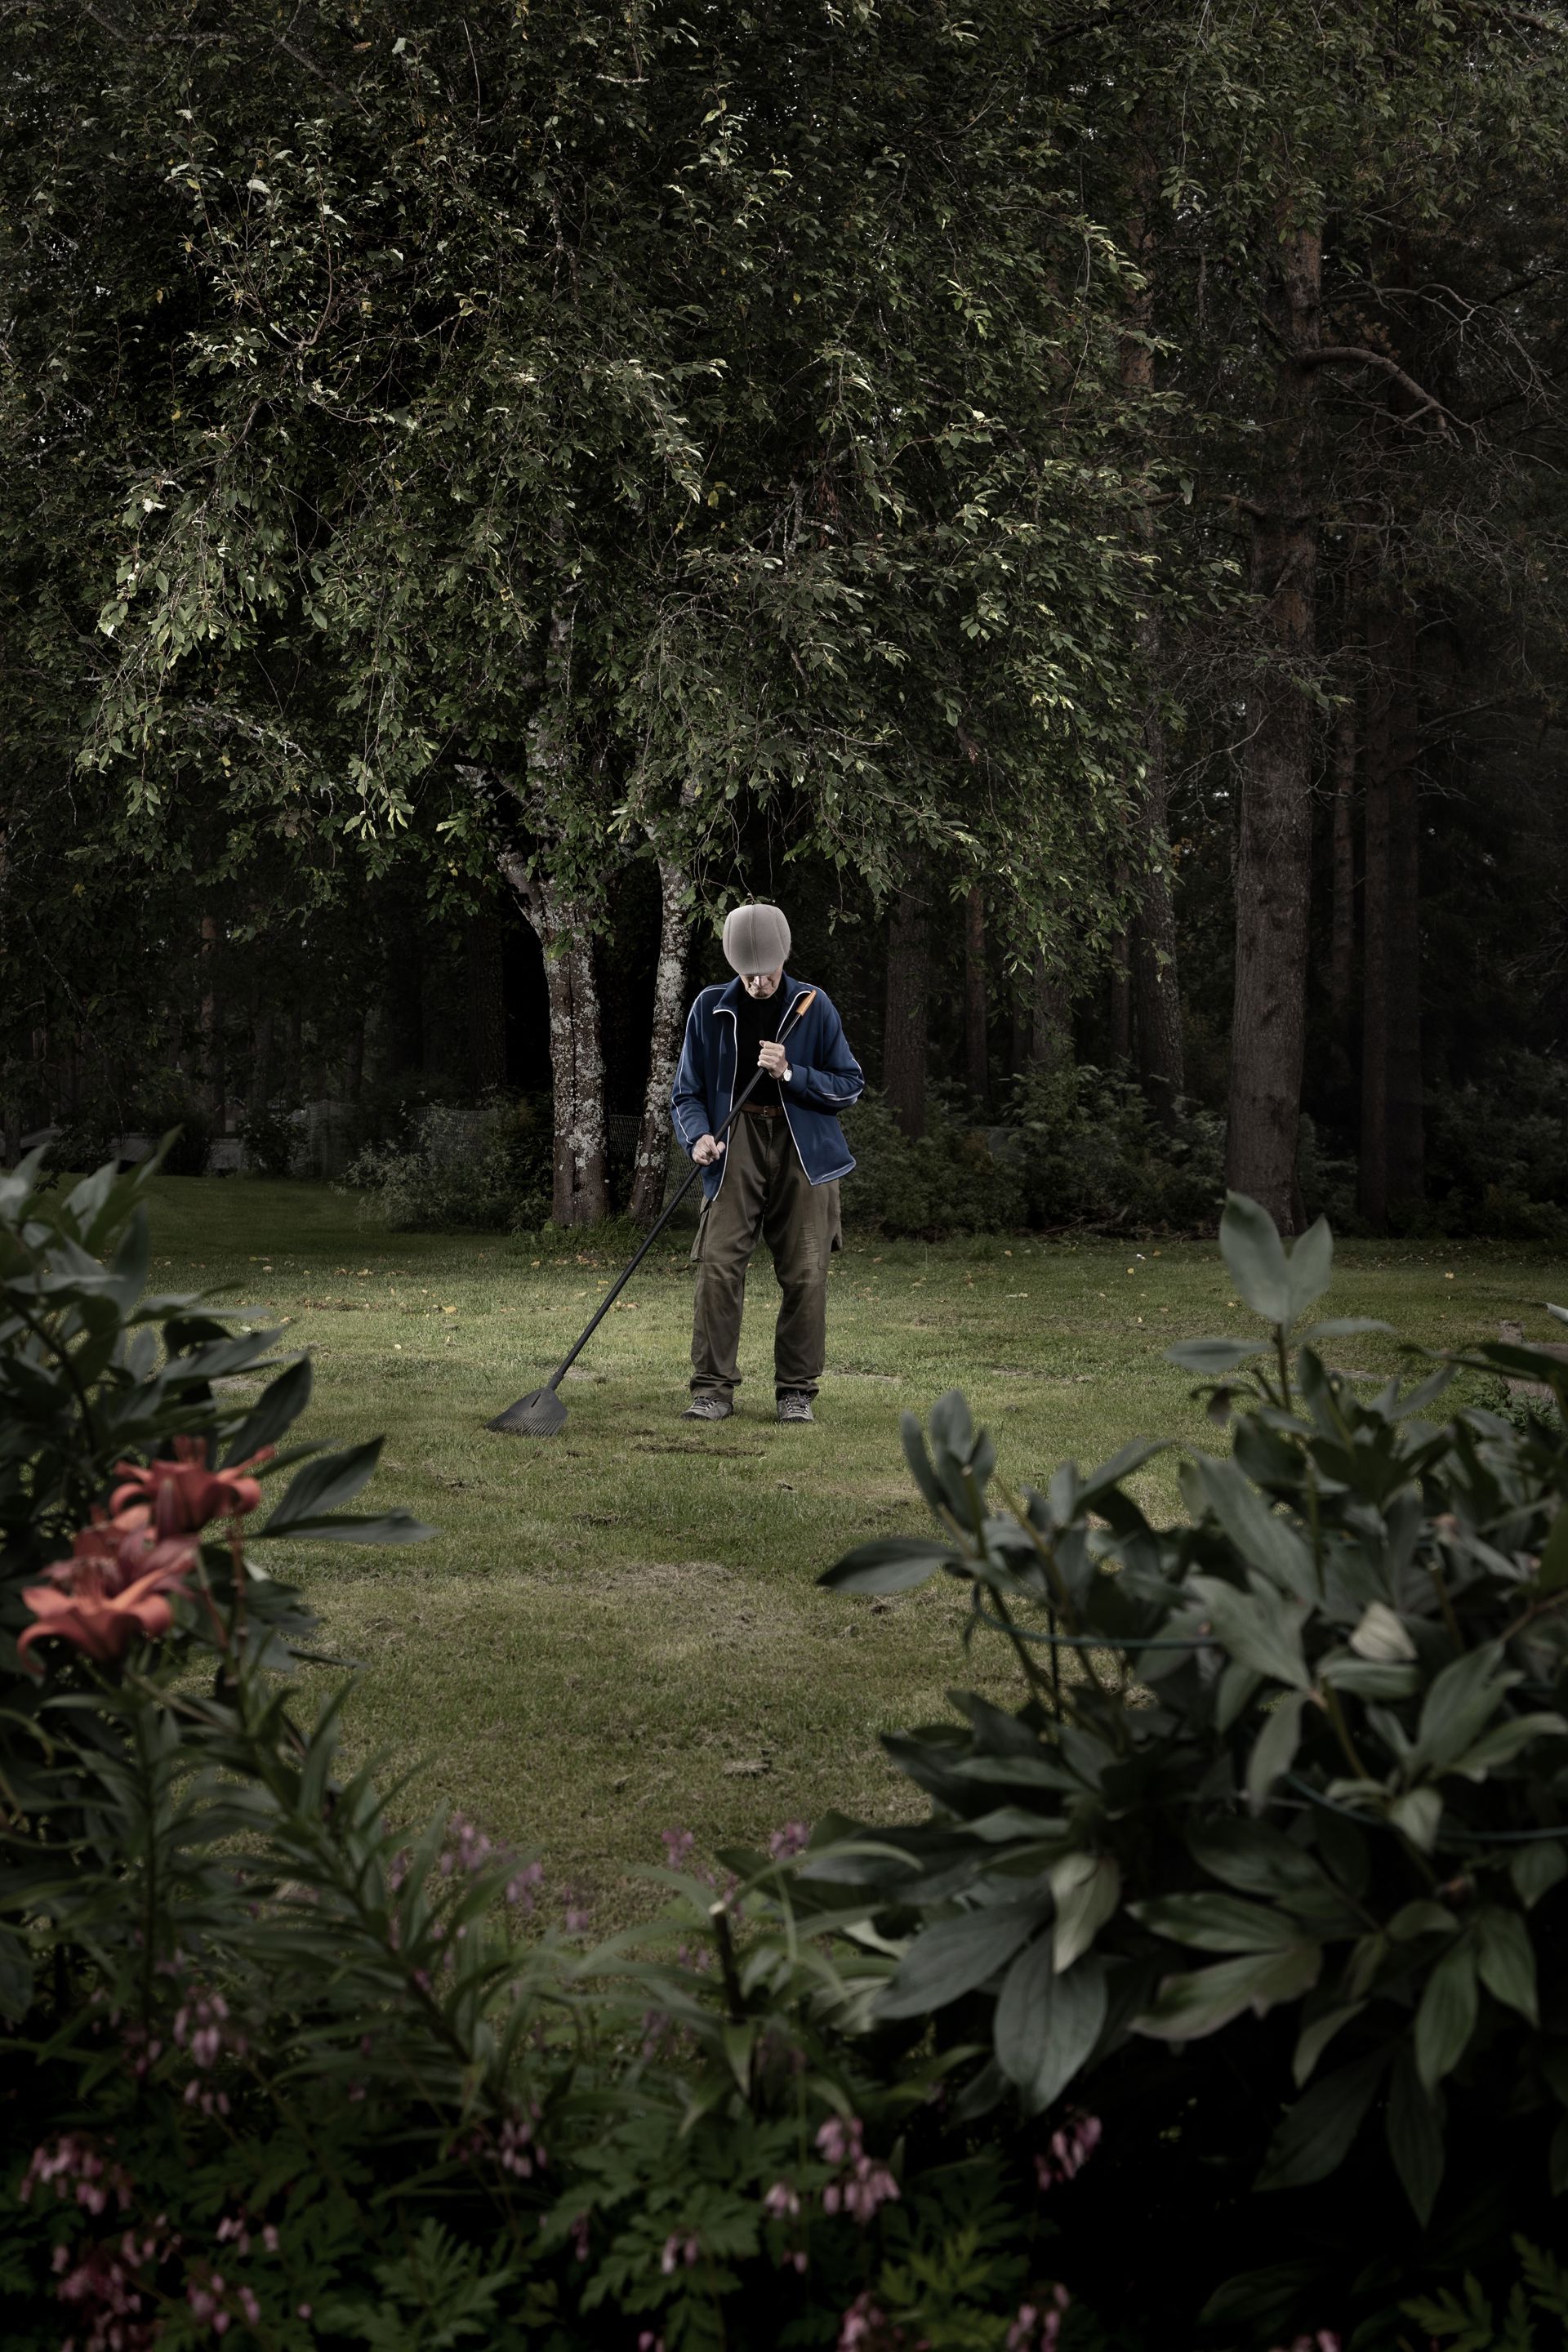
{"x": 1418, "y": 1813}
{"x": 1552, "y": 1571}
{"x": 1217, "y": 1923}
{"x": 1260, "y": 1627}
{"x": 912, "y": 1437}
{"x": 1263, "y": 1540}
{"x": 1212, "y": 1359}
{"x": 1311, "y": 1266}
{"x": 393, "y": 1526}
{"x": 1506, "y": 1960}
{"x": 1415, "y": 2127}
{"x": 1315, "y": 2038}
{"x": 1086, "y": 1899}
{"x": 322, "y": 1486}
{"x": 1274, "y": 1750}
{"x": 1250, "y": 1244}
{"x": 1446, "y": 2017}
{"x": 1047, "y": 2024}
{"x": 1536, "y": 1869}
{"x": 1188, "y": 2007}
{"x": 949, "y": 1959}
{"x": 1503, "y": 1742}
{"x": 893, "y": 1564}
{"x": 277, "y": 1409}
{"x": 1314, "y": 2136}
{"x": 1458, "y": 1703}
{"x": 1423, "y": 1918}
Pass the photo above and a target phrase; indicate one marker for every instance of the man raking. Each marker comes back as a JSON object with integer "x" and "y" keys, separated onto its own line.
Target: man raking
{"x": 777, "y": 1174}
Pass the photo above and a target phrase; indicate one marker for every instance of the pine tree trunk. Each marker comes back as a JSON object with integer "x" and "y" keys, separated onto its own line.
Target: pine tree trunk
{"x": 1372, "y": 1172}
{"x": 1392, "y": 1154}
{"x": 652, "y": 1165}
{"x": 580, "y": 1194}
{"x": 1406, "y": 1108}
{"x": 1341, "y": 917}
{"x": 1274, "y": 849}
{"x": 486, "y": 1000}
{"x": 976, "y": 1021}
{"x": 906, "y": 1019}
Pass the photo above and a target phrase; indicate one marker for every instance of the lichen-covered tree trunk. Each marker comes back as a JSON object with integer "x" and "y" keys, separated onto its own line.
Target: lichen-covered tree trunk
{"x": 580, "y": 1194}
{"x": 906, "y": 1015}
{"x": 1273, "y": 835}
{"x": 664, "y": 1044}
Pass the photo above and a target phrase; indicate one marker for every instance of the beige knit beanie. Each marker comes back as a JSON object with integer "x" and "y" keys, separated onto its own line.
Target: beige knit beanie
{"x": 756, "y": 938}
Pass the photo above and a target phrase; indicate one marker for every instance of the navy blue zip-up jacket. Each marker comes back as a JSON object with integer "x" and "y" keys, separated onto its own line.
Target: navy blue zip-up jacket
{"x": 825, "y": 1079}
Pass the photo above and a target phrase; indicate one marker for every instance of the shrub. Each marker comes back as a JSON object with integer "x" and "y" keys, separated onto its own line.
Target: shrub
{"x": 1270, "y": 1862}
{"x": 485, "y": 1170}
{"x": 1081, "y": 1147}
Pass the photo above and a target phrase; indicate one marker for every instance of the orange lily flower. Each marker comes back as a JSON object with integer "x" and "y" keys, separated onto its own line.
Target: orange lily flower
{"x": 185, "y": 1495}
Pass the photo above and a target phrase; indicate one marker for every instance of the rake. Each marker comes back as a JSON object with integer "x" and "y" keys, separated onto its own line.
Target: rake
{"x": 540, "y": 1412}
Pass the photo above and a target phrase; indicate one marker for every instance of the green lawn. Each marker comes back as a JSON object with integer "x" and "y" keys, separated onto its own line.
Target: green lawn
{"x": 618, "y": 1629}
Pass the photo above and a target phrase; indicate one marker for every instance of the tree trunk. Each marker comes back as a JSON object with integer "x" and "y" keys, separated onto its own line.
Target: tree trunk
{"x": 976, "y": 1014}
{"x": 294, "y": 1058}
{"x": 905, "y": 1023}
{"x": 1341, "y": 885}
{"x": 1392, "y": 1158}
{"x": 214, "y": 1076}
{"x": 1050, "y": 1019}
{"x": 1121, "y": 1000}
{"x": 1273, "y": 872}
{"x": 1156, "y": 993}
{"x": 580, "y": 1193}
{"x": 486, "y": 1000}
{"x": 652, "y": 1165}
{"x": 353, "y": 1060}
{"x": 261, "y": 1052}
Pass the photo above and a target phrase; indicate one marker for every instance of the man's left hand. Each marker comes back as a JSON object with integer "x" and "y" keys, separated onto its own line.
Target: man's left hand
{"x": 773, "y": 1059}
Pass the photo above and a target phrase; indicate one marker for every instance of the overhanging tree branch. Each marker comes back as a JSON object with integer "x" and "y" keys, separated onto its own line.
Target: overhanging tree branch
{"x": 1360, "y": 355}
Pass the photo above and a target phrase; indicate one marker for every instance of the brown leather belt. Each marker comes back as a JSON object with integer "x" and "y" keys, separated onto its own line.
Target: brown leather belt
{"x": 762, "y": 1111}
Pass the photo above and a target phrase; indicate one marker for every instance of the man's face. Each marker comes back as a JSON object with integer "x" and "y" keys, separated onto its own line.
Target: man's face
{"x": 762, "y": 983}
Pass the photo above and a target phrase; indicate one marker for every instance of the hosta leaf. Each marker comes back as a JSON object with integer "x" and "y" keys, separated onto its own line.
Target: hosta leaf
{"x": 1314, "y": 2136}
{"x": 1446, "y": 2017}
{"x": 1250, "y": 1244}
{"x": 893, "y": 1564}
{"x": 1188, "y": 2007}
{"x": 1217, "y": 1923}
{"x": 1415, "y": 2125}
{"x": 953, "y": 1956}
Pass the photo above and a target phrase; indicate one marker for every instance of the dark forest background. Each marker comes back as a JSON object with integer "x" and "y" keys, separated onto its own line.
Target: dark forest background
{"x": 1068, "y": 498}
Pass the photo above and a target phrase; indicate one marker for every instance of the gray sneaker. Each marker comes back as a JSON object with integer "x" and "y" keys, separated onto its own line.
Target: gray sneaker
{"x": 794, "y": 1405}
{"x": 711, "y": 1408}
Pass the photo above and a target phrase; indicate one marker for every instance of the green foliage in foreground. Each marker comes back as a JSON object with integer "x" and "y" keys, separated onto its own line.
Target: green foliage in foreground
{"x": 1298, "y": 1814}
{"x": 288, "y": 2072}
{"x": 291, "y": 2067}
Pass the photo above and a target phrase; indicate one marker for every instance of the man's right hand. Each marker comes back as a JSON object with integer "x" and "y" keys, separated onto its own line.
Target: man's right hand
{"x": 706, "y": 1149}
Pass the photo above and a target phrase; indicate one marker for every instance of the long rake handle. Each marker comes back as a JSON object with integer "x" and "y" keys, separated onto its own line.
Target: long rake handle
{"x": 608, "y": 1300}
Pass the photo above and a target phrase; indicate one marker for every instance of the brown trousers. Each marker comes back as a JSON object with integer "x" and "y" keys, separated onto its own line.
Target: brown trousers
{"x": 764, "y": 1193}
